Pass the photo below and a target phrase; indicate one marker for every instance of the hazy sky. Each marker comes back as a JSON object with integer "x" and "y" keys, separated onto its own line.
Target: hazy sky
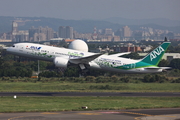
{"x": 91, "y": 9}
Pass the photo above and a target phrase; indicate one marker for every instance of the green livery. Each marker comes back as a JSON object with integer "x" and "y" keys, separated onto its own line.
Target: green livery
{"x": 154, "y": 57}
{"x": 151, "y": 60}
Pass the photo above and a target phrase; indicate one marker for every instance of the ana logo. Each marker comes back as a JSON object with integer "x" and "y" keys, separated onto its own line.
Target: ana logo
{"x": 156, "y": 52}
{"x": 35, "y": 48}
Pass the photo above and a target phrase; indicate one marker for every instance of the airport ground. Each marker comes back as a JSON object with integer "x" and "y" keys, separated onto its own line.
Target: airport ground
{"x": 68, "y": 106}
{"x": 153, "y": 102}
{"x": 135, "y": 114}
{"x": 65, "y": 86}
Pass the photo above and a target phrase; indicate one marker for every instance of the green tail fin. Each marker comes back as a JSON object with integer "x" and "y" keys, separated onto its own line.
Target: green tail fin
{"x": 155, "y": 56}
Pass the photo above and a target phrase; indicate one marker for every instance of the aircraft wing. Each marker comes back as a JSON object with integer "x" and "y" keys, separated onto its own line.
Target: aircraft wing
{"x": 119, "y": 54}
{"x": 84, "y": 59}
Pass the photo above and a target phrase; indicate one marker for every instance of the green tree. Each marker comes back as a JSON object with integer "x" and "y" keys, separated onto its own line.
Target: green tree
{"x": 48, "y": 74}
{"x": 163, "y": 63}
{"x": 175, "y": 63}
{"x": 133, "y": 55}
{"x": 71, "y": 72}
{"x": 42, "y": 65}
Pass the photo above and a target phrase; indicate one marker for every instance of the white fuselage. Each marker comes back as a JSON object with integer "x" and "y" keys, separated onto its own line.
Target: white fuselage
{"x": 104, "y": 62}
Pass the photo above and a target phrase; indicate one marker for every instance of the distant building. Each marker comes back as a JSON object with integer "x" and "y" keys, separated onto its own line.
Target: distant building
{"x": 116, "y": 39}
{"x": 14, "y": 27}
{"x": 65, "y": 32}
{"x": 138, "y": 35}
{"x": 108, "y": 32}
{"x": 62, "y": 32}
{"x": 106, "y": 39}
{"x": 94, "y": 36}
{"x": 6, "y": 36}
{"x": 89, "y": 40}
{"x": 19, "y": 36}
{"x": 166, "y": 56}
{"x": 105, "y": 50}
{"x": 177, "y": 36}
{"x": 119, "y": 32}
{"x": 32, "y": 32}
{"x": 126, "y": 48}
{"x": 126, "y": 32}
{"x": 41, "y": 34}
{"x": 5, "y": 40}
{"x": 39, "y": 37}
{"x": 68, "y": 40}
{"x": 69, "y": 32}
{"x": 174, "y": 40}
{"x": 82, "y": 36}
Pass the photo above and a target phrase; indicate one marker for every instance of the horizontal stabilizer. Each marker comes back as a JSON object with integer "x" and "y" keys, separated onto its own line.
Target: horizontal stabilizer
{"x": 166, "y": 68}
{"x": 163, "y": 68}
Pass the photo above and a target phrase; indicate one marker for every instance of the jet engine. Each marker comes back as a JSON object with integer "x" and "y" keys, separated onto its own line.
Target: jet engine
{"x": 61, "y": 62}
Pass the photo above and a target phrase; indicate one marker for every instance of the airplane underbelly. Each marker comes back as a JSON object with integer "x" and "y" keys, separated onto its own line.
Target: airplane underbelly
{"x": 33, "y": 56}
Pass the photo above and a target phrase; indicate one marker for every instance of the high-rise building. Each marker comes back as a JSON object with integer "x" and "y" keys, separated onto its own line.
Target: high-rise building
{"x": 108, "y": 31}
{"x": 126, "y": 31}
{"x": 14, "y": 26}
{"x": 62, "y": 32}
{"x": 32, "y": 31}
{"x": 65, "y": 32}
{"x": 69, "y": 32}
{"x": 47, "y": 31}
{"x": 116, "y": 38}
{"x": 18, "y": 36}
{"x": 40, "y": 34}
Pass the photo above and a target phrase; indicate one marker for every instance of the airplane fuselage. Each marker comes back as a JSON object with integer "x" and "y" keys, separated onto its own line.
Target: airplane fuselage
{"x": 104, "y": 62}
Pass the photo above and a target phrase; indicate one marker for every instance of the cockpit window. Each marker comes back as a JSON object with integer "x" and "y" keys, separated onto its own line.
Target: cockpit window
{"x": 13, "y": 46}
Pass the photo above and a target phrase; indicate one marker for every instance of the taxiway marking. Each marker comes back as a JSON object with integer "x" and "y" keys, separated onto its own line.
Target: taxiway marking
{"x": 89, "y": 113}
{"x": 49, "y": 113}
{"x": 16, "y": 117}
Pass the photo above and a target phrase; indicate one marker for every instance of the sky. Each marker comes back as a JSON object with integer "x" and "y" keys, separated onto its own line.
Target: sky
{"x": 92, "y": 9}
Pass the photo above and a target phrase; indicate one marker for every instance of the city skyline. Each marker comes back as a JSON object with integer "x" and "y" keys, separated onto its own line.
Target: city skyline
{"x": 102, "y": 35}
{"x": 96, "y": 10}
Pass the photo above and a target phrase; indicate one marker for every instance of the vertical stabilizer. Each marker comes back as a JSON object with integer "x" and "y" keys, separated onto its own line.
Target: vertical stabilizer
{"x": 155, "y": 56}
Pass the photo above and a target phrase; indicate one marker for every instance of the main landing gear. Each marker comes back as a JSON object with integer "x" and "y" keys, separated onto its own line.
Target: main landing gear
{"x": 83, "y": 70}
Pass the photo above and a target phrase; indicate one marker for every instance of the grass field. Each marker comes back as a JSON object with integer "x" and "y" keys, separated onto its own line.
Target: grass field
{"x": 88, "y": 87}
{"x": 47, "y": 104}
{"x": 43, "y": 104}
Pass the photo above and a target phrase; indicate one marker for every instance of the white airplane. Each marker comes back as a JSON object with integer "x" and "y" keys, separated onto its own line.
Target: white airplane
{"x": 63, "y": 57}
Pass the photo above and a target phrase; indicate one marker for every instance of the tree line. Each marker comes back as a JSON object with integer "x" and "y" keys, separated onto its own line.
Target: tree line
{"x": 11, "y": 67}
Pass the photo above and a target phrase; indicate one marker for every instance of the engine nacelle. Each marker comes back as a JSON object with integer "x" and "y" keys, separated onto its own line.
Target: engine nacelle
{"x": 60, "y": 62}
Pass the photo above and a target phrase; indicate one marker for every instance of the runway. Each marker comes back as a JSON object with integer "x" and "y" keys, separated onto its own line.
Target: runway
{"x": 125, "y": 94}
{"x": 136, "y": 114}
